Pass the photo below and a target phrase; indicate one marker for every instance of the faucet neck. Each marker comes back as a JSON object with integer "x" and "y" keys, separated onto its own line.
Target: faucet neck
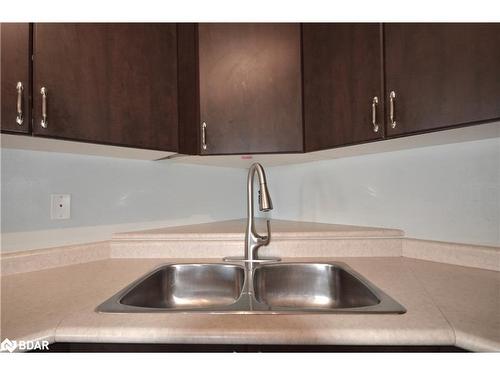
{"x": 250, "y": 199}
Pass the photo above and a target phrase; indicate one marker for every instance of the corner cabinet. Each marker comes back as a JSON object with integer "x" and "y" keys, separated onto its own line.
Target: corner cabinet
{"x": 247, "y": 93}
{"x": 15, "y": 113}
{"x": 441, "y": 75}
{"x": 106, "y": 83}
{"x": 343, "y": 92}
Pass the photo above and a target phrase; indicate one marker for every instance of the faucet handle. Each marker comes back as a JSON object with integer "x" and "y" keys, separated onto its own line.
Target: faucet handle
{"x": 266, "y": 239}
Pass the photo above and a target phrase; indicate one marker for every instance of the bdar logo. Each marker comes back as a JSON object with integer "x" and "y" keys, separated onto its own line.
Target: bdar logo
{"x": 8, "y": 345}
{"x": 22, "y": 345}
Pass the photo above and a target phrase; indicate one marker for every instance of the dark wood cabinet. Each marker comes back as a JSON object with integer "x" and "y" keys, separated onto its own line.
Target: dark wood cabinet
{"x": 343, "y": 93}
{"x": 15, "y": 77}
{"x": 107, "y": 83}
{"x": 226, "y": 88}
{"x": 249, "y": 88}
{"x": 442, "y": 75}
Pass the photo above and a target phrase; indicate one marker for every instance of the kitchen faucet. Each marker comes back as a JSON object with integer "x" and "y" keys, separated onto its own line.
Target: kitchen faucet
{"x": 253, "y": 240}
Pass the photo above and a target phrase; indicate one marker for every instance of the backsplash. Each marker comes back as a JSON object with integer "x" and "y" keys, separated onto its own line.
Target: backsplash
{"x": 443, "y": 193}
{"x": 110, "y": 191}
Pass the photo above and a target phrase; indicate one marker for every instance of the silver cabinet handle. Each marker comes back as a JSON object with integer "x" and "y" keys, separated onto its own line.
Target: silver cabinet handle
{"x": 19, "y": 117}
{"x": 204, "y": 136}
{"x": 392, "y": 109}
{"x": 374, "y": 114}
{"x": 45, "y": 122}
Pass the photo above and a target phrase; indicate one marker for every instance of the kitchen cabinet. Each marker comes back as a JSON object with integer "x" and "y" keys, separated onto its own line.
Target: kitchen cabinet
{"x": 343, "y": 92}
{"x": 226, "y": 88}
{"x": 247, "y": 88}
{"x": 15, "y": 77}
{"x": 441, "y": 75}
{"x": 106, "y": 83}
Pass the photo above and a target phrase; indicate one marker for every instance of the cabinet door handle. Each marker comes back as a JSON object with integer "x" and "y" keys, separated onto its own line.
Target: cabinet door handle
{"x": 392, "y": 109}
{"x": 204, "y": 136}
{"x": 45, "y": 122}
{"x": 19, "y": 107}
{"x": 374, "y": 114}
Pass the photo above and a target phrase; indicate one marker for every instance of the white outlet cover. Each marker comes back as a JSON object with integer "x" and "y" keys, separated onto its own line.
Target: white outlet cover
{"x": 60, "y": 206}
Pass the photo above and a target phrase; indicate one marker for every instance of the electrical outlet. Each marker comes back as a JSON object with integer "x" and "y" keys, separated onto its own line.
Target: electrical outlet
{"x": 60, "y": 206}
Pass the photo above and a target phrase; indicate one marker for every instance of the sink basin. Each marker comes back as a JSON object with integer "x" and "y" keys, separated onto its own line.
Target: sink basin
{"x": 277, "y": 288}
{"x": 310, "y": 285}
{"x": 186, "y": 286}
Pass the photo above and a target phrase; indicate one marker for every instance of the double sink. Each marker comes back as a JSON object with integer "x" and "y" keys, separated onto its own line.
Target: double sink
{"x": 248, "y": 288}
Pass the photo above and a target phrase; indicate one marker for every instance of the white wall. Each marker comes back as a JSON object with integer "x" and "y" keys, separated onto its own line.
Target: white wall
{"x": 446, "y": 193}
{"x": 110, "y": 191}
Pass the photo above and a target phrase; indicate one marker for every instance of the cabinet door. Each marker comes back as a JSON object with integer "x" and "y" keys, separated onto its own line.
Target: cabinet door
{"x": 107, "y": 83}
{"x": 442, "y": 75}
{"x": 250, "y": 88}
{"x": 15, "y": 77}
{"x": 342, "y": 84}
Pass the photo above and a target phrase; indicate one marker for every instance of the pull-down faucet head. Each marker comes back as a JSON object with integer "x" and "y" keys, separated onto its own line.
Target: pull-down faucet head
{"x": 265, "y": 203}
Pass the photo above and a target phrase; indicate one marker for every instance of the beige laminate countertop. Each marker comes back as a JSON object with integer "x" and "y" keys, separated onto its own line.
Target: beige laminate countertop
{"x": 447, "y": 305}
{"x": 281, "y": 229}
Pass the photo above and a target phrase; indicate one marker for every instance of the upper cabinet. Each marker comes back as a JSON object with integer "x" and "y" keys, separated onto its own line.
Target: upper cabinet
{"x": 343, "y": 93}
{"x": 226, "y": 88}
{"x": 15, "y": 113}
{"x": 247, "y": 88}
{"x": 441, "y": 75}
{"x": 106, "y": 83}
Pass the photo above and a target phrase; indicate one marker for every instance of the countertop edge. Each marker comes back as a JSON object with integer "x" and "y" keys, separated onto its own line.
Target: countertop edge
{"x": 475, "y": 343}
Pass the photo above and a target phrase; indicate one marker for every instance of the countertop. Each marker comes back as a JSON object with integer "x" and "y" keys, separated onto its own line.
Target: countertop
{"x": 447, "y": 305}
{"x": 281, "y": 229}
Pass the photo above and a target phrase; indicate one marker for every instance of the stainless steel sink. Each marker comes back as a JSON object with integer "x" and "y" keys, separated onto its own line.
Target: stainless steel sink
{"x": 310, "y": 286}
{"x": 277, "y": 288}
{"x": 252, "y": 287}
{"x": 181, "y": 287}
